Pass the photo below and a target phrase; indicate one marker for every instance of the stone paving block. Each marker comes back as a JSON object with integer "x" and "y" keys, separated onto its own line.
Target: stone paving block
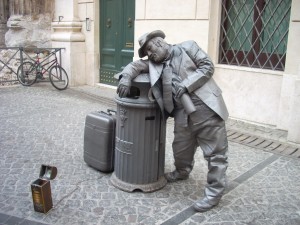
{"x": 259, "y": 199}
{"x": 40, "y": 125}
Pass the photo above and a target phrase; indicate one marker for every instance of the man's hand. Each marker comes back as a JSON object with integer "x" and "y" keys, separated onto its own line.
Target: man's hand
{"x": 180, "y": 89}
{"x": 124, "y": 86}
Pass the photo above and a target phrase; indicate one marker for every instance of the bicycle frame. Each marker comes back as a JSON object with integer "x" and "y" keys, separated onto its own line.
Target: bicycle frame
{"x": 43, "y": 66}
{"x": 36, "y": 67}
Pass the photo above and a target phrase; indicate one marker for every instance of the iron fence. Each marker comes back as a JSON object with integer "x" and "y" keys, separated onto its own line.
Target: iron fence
{"x": 255, "y": 33}
{"x": 11, "y": 58}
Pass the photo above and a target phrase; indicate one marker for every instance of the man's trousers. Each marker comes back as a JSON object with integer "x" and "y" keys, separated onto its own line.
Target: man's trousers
{"x": 211, "y": 136}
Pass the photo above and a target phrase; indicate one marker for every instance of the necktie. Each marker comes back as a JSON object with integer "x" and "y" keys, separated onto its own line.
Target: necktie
{"x": 167, "y": 88}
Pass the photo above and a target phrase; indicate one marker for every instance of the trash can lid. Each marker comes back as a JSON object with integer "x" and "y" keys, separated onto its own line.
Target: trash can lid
{"x": 142, "y": 78}
{"x": 48, "y": 172}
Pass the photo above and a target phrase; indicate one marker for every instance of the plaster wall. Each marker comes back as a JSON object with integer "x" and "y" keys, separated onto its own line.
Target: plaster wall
{"x": 192, "y": 30}
{"x": 180, "y": 20}
{"x": 290, "y": 93}
{"x": 291, "y": 73}
{"x": 250, "y": 95}
{"x": 73, "y": 61}
{"x": 294, "y": 123}
{"x": 67, "y": 9}
{"x": 88, "y": 13}
{"x": 67, "y": 33}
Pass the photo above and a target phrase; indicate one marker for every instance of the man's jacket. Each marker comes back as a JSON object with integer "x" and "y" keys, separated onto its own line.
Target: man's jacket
{"x": 194, "y": 67}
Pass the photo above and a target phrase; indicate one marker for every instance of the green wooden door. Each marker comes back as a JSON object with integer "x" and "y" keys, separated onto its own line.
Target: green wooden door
{"x": 116, "y": 37}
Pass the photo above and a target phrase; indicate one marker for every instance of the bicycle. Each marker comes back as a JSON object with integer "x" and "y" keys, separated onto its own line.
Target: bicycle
{"x": 28, "y": 72}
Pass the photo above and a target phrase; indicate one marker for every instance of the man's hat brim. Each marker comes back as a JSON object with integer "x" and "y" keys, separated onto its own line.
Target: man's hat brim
{"x": 147, "y": 37}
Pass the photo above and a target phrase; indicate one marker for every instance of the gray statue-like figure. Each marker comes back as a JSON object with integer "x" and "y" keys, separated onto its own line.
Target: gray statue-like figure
{"x": 182, "y": 84}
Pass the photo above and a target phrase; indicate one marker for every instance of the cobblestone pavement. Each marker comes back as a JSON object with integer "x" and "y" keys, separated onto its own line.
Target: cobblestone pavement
{"x": 40, "y": 125}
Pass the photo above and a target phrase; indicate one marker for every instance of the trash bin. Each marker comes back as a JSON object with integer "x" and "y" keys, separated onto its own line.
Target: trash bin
{"x": 140, "y": 140}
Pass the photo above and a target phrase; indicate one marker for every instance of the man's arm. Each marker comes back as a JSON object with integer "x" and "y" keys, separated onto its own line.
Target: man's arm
{"x": 205, "y": 67}
{"x": 131, "y": 71}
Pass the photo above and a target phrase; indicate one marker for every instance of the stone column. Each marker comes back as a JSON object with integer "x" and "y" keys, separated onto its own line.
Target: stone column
{"x": 29, "y": 23}
{"x": 30, "y": 7}
{"x": 4, "y": 13}
{"x": 67, "y": 34}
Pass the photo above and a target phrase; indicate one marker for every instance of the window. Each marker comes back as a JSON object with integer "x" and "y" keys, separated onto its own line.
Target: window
{"x": 254, "y": 33}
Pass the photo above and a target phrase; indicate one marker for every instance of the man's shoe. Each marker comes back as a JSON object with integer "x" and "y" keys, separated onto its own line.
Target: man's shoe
{"x": 203, "y": 206}
{"x": 175, "y": 176}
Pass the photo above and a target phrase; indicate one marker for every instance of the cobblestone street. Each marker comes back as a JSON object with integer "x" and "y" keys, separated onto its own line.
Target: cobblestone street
{"x": 40, "y": 125}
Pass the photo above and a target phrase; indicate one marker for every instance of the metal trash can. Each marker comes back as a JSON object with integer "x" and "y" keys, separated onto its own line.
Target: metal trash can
{"x": 140, "y": 140}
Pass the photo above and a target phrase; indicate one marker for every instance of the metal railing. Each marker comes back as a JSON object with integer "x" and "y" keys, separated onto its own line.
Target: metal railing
{"x": 11, "y": 58}
{"x": 255, "y": 33}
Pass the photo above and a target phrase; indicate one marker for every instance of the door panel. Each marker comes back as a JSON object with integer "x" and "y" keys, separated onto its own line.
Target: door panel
{"x": 117, "y": 37}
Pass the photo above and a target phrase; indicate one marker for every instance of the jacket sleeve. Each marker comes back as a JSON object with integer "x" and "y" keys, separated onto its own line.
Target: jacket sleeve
{"x": 202, "y": 61}
{"x": 133, "y": 69}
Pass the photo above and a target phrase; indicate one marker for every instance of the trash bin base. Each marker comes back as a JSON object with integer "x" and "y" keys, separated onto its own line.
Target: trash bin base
{"x": 142, "y": 187}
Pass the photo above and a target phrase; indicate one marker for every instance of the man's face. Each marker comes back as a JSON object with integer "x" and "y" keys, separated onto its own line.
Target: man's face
{"x": 156, "y": 51}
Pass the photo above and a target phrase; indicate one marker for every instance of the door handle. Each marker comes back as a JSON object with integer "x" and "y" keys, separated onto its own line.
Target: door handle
{"x": 108, "y": 23}
{"x": 129, "y": 22}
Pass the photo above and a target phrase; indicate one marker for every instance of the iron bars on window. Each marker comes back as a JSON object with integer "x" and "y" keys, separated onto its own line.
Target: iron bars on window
{"x": 254, "y": 33}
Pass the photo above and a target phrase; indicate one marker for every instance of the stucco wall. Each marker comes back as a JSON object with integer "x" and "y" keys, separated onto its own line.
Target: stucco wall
{"x": 180, "y": 20}
{"x": 255, "y": 95}
{"x": 90, "y": 9}
{"x": 250, "y": 94}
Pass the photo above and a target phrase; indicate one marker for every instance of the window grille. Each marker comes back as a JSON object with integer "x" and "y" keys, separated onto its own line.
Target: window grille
{"x": 254, "y": 33}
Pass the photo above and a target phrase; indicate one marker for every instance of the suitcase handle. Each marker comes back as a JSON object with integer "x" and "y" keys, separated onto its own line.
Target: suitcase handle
{"x": 109, "y": 112}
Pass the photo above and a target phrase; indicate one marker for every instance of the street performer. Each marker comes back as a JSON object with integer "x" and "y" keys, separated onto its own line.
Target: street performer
{"x": 182, "y": 84}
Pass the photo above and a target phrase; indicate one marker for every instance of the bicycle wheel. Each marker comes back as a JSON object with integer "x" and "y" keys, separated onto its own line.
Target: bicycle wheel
{"x": 58, "y": 77}
{"x": 26, "y": 73}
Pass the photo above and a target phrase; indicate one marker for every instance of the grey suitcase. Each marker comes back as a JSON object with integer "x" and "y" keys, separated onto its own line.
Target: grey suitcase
{"x": 99, "y": 140}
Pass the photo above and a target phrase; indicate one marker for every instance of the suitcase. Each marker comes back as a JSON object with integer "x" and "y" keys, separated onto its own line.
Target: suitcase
{"x": 99, "y": 140}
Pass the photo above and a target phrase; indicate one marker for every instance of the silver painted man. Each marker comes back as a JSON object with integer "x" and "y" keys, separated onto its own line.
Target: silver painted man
{"x": 190, "y": 72}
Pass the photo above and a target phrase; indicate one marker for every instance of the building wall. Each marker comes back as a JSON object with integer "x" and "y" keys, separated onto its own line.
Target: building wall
{"x": 251, "y": 94}
{"x": 258, "y": 95}
{"x": 254, "y": 95}
{"x": 4, "y": 15}
{"x": 180, "y": 20}
{"x": 289, "y": 109}
{"x": 88, "y": 12}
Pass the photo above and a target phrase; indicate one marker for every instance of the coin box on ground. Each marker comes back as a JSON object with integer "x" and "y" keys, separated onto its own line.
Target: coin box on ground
{"x": 41, "y": 189}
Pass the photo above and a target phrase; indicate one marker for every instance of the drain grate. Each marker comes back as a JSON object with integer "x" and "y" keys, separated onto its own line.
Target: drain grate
{"x": 262, "y": 143}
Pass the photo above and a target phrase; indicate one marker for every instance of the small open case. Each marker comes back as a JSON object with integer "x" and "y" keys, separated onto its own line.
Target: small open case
{"x": 41, "y": 189}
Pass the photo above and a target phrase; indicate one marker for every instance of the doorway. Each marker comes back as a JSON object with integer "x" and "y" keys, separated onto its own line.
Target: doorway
{"x": 116, "y": 37}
